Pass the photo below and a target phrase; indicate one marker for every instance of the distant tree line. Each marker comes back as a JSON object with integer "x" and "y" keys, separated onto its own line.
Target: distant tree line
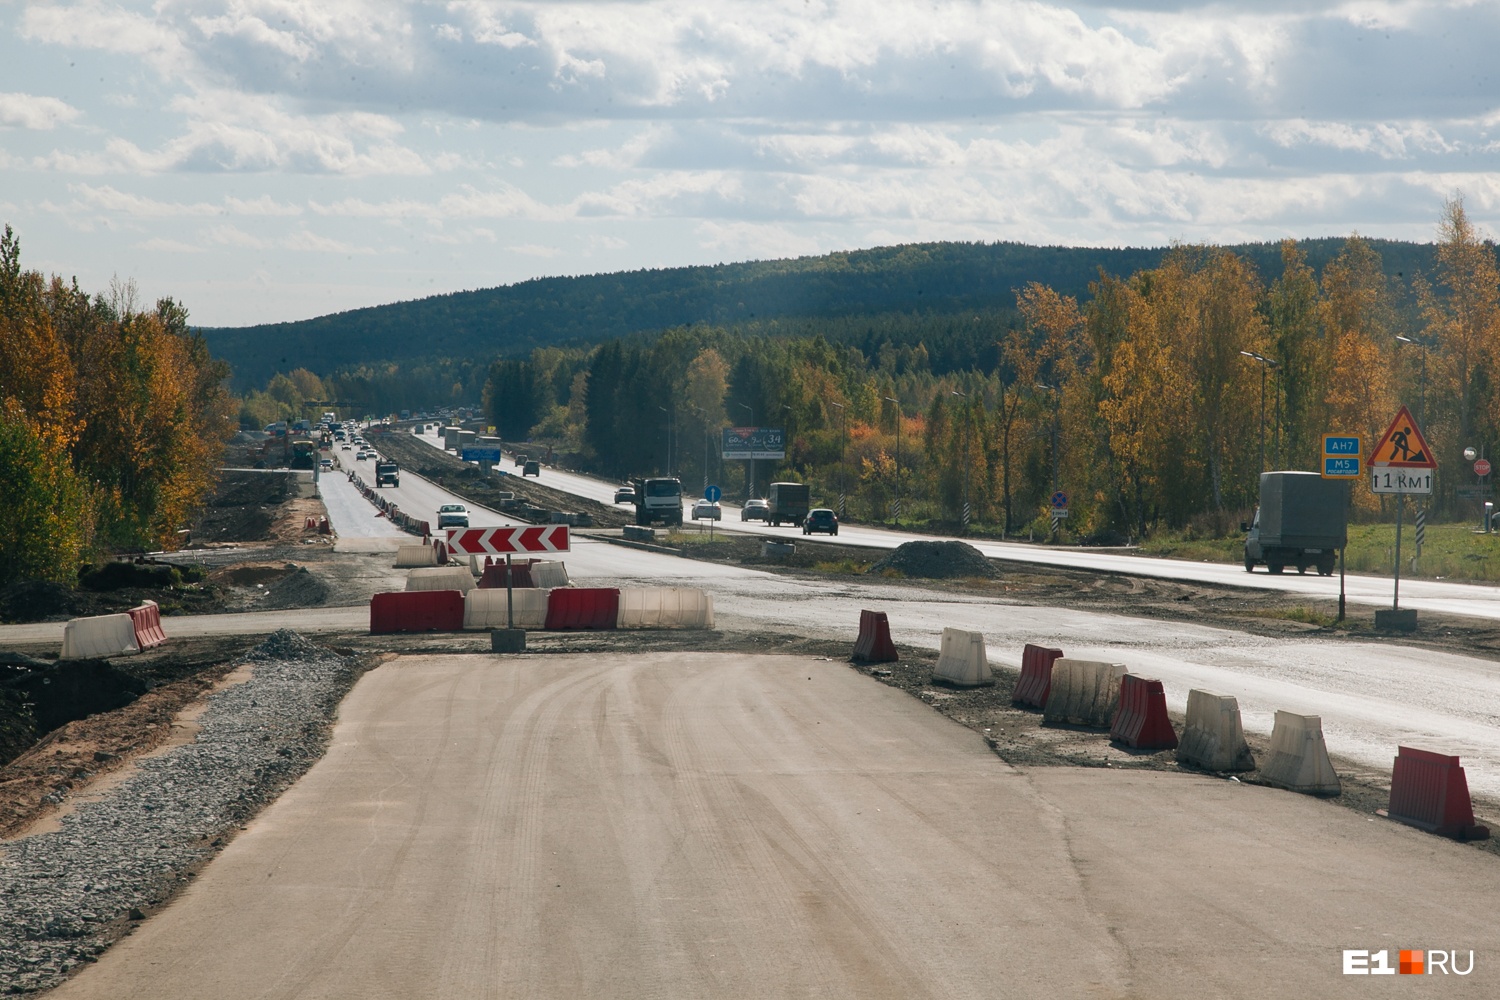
{"x": 112, "y": 421}
{"x": 1155, "y": 400}
{"x": 928, "y": 283}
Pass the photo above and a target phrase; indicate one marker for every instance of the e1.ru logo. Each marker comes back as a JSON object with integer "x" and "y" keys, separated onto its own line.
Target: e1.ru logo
{"x": 1410, "y": 962}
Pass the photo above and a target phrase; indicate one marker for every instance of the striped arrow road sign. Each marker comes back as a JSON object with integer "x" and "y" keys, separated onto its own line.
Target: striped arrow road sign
{"x": 508, "y": 541}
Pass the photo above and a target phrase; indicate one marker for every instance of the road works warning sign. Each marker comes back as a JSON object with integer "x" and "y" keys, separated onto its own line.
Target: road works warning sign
{"x": 1403, "y": 461}
{"x": 505, "y": 541}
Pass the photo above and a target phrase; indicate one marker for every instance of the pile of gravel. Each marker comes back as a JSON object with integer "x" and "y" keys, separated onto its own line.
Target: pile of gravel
{"x": 66, "y": 896}
{"x": 937, "y": 560}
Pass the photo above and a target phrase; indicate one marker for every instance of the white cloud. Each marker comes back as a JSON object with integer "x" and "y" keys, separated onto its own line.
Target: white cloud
{"x": 162, "y": 245}
{"x": 33, "y": 112}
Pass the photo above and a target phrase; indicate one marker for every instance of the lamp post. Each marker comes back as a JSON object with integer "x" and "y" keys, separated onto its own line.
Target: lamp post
{"x": 669, "y": 439}
{"x": 1056, "y": 401}
{"x": 786, "y": 433}
{"x": 1265, "y": 365}
{"x": 843, "y": 439}
{"x": 897, "y": 510}
{"x": 1422, "y": 377}
{"x": 750, "y": 481}
{"x": 967, "y": 467}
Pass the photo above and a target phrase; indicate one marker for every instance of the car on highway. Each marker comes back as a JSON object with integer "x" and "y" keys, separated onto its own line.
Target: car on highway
{"x": 820, "y": 519}
{"x": 706, "y": 510}
{"x": 755, "y": 510}
{"x": 625, "y": 494}
{"x": 532, "y": 468}
{"x": 360, "y": 456}
{"x": 347, "y": 447}
{"x": 453, "y": 515}
{"x": 326, "y": 465}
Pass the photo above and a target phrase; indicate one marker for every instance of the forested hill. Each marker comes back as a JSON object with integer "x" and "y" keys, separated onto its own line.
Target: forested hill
{"x": 925, "y": 279}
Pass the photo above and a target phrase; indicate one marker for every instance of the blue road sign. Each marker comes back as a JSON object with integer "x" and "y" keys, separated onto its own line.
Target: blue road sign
{"x": 1059, "y": 499}
{"x": 480, "y": 454}
{"x": 712, "y": 494}
{"x": 1341, "y": 468}
{"x": 1341, "y": 444}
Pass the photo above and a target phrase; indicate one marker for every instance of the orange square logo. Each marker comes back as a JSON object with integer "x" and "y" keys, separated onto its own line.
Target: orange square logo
{"x": 1411, "y": 963}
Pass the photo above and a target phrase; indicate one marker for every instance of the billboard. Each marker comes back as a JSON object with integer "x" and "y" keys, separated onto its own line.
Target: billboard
{"x": 745, "y": 443}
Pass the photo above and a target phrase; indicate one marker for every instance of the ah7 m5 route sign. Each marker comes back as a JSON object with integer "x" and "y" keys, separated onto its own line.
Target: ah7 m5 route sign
{"x": 508, "y": 541}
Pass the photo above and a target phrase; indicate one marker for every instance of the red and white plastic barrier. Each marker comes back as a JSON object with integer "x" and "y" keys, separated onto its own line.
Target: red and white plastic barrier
{"x": 873, "y": 644}
{"x": 1430, "y": 792}
{"x": 146, "y": 620}
{"x": 1142, "y": 721}
{"x": 1036, "y": 676}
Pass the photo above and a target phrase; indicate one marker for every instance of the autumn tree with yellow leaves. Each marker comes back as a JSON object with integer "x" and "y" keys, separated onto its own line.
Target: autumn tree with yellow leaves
{"x": 112, "y": 422}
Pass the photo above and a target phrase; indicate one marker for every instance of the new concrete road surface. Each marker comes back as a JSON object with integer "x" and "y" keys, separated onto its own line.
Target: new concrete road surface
{"x": 699, "y": 825}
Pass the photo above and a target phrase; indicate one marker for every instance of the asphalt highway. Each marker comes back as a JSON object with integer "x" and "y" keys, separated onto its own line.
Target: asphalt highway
{"x": 1480, "y": 601}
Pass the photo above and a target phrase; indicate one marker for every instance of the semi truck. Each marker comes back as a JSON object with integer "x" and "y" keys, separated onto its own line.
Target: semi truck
{"x": 387, "y": 473}
{"x": 658, "y": 499}
{"x": 1302, "y": 521}
{"x": 787, "y": 502}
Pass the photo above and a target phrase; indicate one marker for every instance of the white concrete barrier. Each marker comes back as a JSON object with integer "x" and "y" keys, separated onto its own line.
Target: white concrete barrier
{"x": 440, "y": 578}
{"x": 664, "y": 607}
{"x": 552, "y": 573}
{"x": 1213, "y": 737}
{"x": 415, "y": 555}
{"x": 486, "y": 608}
{"x": 962, "y": 660}
{"x": 100, "y": 636}
{"x": 1299, "y": 758}
{"x": 1083, "y": 692}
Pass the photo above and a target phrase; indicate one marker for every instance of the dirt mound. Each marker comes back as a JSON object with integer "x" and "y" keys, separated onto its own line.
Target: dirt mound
{"x": 937, "y": 560}
{"x": 38, "y": 601}
{"x": 267, "y": 586}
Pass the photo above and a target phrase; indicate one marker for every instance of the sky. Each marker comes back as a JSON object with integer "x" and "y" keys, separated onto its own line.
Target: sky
{"x": 267, "y": 160}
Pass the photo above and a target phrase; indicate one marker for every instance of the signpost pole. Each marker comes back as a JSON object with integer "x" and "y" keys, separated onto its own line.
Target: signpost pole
{"x": 1400, "y": 506}
{"x": 510, "y": 595}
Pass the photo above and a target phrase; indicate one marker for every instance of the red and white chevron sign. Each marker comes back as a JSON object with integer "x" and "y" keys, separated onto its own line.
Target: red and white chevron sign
{"x": 507, "y": 541}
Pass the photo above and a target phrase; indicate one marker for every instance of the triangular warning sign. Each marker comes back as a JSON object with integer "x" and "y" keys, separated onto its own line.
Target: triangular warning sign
{"x": 1402, "y": 445}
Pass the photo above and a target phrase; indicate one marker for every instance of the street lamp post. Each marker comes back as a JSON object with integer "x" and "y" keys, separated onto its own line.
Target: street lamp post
{"x": 669, "y": 439}
{"x": 967, "y": 467}
{"x": 1056, "y": 402}
{"x": 843, "y": 438}
{"x": 1422, "y": 377}
{"x": 750, "y": 482}
{"x": 1265, "y": 365}
{"x": 897, "y": 510}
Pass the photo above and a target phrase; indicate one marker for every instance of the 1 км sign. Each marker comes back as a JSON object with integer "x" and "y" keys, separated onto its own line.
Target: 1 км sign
{"x": 1407, "y": 481}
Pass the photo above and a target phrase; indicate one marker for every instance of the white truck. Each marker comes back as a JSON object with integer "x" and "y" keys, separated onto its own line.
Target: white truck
{"x": 658, "y": 499}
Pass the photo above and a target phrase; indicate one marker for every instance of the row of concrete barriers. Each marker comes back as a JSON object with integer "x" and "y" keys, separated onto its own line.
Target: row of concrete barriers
{"x": 112, "y": 635}
{"x": 1428, "y": 790}
{"x": 550, "y": 609}
{"x": 397, "y": 516}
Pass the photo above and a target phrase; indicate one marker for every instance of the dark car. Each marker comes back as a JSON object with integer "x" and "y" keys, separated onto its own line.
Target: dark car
{"x": 821, "y": 519}
{"x": 755, "y": 510}
{"x": 532, "y": 468}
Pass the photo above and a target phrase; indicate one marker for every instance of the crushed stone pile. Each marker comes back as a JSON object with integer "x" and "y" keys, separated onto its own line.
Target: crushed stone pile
{"x": 65, "y": 896}
{"x": 937, "y": 560}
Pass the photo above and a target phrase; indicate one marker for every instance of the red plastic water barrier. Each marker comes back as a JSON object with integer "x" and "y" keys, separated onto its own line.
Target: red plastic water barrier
{"x": 874, "y": 644}
{"x": 1429, "y": 791}
{"x": 147, "y": 622}
{"x": 1036, "y": 676}
{"x": 494, "y": 575}
{"x": 417, "y": 611}
{"x": 583, "y": 608}
{"x": 1141, "y": 720}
